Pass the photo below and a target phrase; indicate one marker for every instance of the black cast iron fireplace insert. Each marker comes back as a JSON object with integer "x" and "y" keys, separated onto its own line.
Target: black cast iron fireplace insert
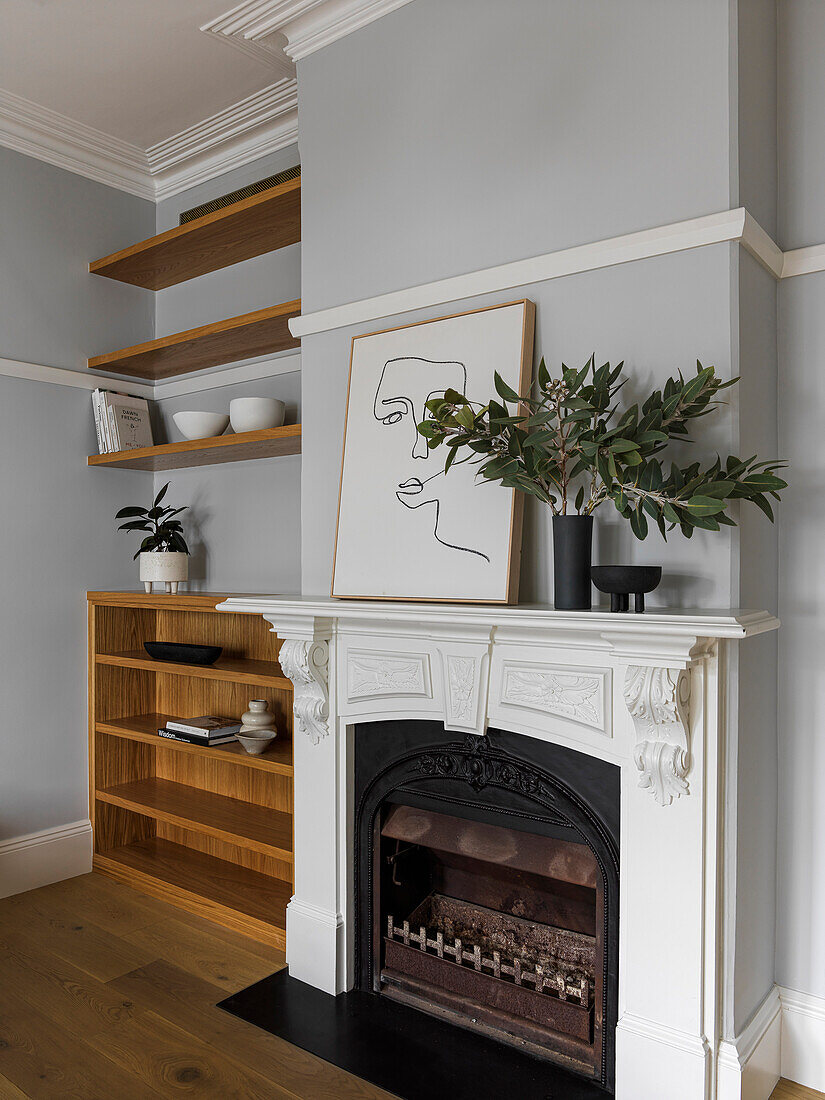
{"x": 486, "y": 886}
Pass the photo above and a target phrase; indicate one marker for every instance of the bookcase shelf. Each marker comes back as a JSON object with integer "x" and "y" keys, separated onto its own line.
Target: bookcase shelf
{"x": 263, "y": 332}
{"x": 234, "y": 896}
{"x": 261, "y": 223}
{"x": 267, "y": 443}
{"x": 144, "y": 727}
{"x": 206, "y": 828}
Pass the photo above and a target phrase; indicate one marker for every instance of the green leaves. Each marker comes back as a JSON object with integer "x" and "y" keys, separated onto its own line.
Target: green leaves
{"x": 568, "y": 442}
{"x": 165, "y": 532}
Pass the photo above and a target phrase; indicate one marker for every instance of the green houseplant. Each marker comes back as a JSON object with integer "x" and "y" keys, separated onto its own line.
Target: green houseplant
{"x": 163, "y": 553}
{"x": 569, "y": 444}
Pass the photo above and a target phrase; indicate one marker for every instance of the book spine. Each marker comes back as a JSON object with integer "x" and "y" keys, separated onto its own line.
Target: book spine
{"x": 113, "y": 427}
{"x": 104, "y": 421}
{"x": 175, "y": 735}
{"x": 101, "y": 443}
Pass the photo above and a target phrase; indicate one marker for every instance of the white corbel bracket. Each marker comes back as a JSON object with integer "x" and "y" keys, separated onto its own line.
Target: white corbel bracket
{"x": 304, "y": 659}
{"x": 658, "y": 700}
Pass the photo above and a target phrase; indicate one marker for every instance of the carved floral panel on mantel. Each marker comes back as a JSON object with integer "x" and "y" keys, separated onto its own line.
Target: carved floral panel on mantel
{"x": 576, "y": 694}
{"x": 376, "y": 675}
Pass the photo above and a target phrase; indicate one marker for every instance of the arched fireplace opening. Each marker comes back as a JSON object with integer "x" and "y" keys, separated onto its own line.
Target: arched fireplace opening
{"x": 486, "y": 882}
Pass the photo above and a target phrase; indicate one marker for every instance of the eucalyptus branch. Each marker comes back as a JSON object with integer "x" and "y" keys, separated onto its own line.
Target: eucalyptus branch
{"x": 569, "y": 430}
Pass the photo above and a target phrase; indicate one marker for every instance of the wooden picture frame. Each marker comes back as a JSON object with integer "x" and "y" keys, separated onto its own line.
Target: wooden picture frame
{"x": 457, "y": 540}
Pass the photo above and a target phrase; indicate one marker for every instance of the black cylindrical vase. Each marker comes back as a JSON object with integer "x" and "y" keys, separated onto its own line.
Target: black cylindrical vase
{"x": 572, "y": 545}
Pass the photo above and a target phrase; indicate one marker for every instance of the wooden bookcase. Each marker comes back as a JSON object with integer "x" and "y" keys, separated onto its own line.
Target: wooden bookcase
{"x": 207, "y": 829}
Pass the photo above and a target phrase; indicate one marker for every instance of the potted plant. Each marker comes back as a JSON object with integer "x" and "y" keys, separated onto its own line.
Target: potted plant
{"x": 568, "y": 444}
{"x": 164, "y": 555}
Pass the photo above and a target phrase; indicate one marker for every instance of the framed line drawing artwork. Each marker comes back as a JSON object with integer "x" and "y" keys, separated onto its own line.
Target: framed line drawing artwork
{"x": 406, "y": 530}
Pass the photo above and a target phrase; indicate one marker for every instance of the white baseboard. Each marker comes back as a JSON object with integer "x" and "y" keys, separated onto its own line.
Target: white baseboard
{"x": 315, "y": 945}
{"x": 27, "y": 862}
{"x": 803, "y": 1038}
{"x": 748, "y": 1067}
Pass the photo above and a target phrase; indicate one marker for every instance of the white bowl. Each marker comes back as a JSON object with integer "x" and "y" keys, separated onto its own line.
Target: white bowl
{"x": 200, "y": 425}
{"x": 257, "y": 741}
{"x": 251, "y": 414}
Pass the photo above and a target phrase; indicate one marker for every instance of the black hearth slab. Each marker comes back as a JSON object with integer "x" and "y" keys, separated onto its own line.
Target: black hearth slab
{"x": 405, "y": 1052}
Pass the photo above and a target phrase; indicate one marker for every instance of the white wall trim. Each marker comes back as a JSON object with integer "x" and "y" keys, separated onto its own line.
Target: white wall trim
{"x": 27, "y": 862}
{"x": 81, "y": 380}
{"x": 307, "y": 25}
{"x": 748, "y": 1067}
{"x": 803, "y": 261}
{"x": 726, "y": 226}
{"x": 762, "y": 247}
{"x": 160, "y": 391}
{"x": 57, "y": 139}
{"x": 803, "y": 1038}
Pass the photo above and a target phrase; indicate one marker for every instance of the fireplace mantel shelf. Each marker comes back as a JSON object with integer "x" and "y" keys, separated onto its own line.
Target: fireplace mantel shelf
{"x": 697, "y": 622}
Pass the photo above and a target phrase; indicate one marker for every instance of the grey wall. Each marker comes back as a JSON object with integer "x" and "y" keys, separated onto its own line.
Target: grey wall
{"x": 599, "y": 127}
{"x": 244, "y": 522}
{"x": 801, "y": 893}
{"x": 400, "y": 188}
{"x": 59, "y": 532}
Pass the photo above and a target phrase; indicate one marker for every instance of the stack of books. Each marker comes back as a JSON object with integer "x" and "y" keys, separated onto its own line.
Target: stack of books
{"x": 208, "y": 729}
{"x": 121, "y": 421}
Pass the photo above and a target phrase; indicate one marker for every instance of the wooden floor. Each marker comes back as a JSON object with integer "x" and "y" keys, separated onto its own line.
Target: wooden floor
{"x": 106, "y": 994}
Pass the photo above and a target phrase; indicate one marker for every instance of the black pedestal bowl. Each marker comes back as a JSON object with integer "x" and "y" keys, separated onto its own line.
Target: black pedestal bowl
{"x": 618, "y": 581}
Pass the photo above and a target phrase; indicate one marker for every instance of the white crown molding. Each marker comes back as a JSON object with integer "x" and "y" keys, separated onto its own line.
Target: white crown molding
{"x": 305, "y": 25}
{"x": 57, "y": 139}
{"x": 263, "y": 123}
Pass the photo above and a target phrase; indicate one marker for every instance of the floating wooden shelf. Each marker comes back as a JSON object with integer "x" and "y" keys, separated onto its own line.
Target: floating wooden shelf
{"x": 245, "y": 229}
{"x": 263, "y": 332}
{"x": 235, "y": 896}
{"x": 228, "y": 669}
{"x": 205, "y": 828}
{"x": 267, "y": 443}
{"x": 231, "y": 819}
{"x": 144, "y": 727}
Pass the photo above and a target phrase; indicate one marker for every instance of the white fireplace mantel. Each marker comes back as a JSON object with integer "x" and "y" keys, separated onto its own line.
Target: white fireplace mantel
{"x": 646, "y": 693}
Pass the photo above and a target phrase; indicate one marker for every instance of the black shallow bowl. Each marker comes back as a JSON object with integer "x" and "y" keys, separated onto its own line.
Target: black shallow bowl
{"x": 625, "y": 578}
{"x": 620, "y": 580}
{"x": 183, "y": 653}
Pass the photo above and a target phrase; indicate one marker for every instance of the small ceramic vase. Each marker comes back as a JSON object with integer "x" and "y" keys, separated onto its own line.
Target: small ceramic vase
{"x": 258, "y": 719}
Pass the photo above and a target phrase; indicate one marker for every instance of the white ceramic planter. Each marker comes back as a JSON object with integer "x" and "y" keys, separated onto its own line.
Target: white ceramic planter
{"x": 165, "y": 568}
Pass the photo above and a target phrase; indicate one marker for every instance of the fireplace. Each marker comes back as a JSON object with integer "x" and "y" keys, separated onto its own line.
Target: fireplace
{"x": 487, "y": 888}
{"x": 542, "y": 723}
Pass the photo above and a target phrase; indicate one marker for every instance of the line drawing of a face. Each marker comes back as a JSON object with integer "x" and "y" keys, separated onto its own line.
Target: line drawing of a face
{"x": 405, "y": 386}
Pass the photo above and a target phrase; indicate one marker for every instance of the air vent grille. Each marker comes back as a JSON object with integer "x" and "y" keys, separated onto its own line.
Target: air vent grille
{"x": 241, "y": 193}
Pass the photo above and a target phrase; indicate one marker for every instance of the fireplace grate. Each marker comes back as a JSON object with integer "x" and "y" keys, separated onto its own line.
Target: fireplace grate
{"x": 562, "y": 972}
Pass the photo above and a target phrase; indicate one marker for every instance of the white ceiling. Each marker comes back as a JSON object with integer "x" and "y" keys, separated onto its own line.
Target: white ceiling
{"x": 139, "y": 70}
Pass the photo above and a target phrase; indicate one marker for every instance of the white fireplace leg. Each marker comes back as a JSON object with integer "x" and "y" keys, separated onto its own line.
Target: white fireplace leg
{"x": 314, "y": 924}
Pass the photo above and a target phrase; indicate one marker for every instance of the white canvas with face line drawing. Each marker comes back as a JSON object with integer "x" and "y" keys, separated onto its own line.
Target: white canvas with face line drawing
{"x": 407, "y": 530}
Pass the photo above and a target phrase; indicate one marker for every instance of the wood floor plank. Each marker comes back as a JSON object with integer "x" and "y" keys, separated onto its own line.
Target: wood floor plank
{"x": 77, "y": 940}
{"x": 55, "y": 987}
{"x": 109, "y": 904}
{"x": 175, "y": 1063}
{"x": 46, "y": 1062}
{"x": 204, "y": 954}
{"x": 190, "y": 1002}
{"x": 789, "y": 1090}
